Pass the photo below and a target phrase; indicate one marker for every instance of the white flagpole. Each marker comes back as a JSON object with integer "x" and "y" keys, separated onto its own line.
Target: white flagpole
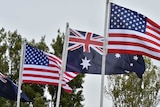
{"x": 20, "y": 74}
{"x": 64, "y": 59}
{"x": 106, "y": 28}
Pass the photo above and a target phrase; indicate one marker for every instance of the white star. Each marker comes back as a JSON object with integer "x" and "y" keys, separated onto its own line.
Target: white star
{"x": 117, "y": 55}
{"x": 85, "y": 63}
{"x": 135, "y": 58}
{"x": 131, "y": 64}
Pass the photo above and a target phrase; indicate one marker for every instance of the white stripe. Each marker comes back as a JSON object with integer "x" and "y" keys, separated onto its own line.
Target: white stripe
{"x": 133, "y": 40}
{"x": 41, "y": 73}
{"x": 65, "y": 76}
{"x": 153, "y": 32}
{"x": 135, "y": 48}
{"x": 72, "y": 75}
{"x": 122, "y": 31}
{"x": 66, "y": 87}
{"x": 66, "y": 80}
{"x": 41, "y": 79}
{"x": 40, "y": 67}
{"x": 148, "y": 24}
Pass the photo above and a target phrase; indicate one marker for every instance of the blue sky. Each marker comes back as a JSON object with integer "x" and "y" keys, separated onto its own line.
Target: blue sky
{"x": 35, "y": 18}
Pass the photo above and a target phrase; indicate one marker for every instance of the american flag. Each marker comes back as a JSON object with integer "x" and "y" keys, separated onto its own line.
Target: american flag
{"x": 133, "y": 33}
{"x": 44, "y": 68}
{"x": 87, "y": 40}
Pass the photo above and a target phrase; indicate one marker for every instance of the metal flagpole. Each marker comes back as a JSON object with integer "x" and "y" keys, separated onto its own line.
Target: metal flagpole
{"x": 106, "y": 27}
{"x": 20, "y": 74}
{"x": 64, "y": 59}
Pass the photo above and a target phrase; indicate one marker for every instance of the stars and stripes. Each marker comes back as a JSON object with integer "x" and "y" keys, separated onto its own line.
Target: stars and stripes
{"x": 44, "y": 68}
{"x": 133, "y": 33}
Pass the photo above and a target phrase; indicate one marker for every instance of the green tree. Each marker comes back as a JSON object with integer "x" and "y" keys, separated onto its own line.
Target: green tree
{"x": 3, "y": 54}
{"x": 39, "y": 101}
{"x": 66, "y": 99}
{"x": 130, "y": 91}
{"x": 4, "y": 62}
{"x": 10, "y": 45}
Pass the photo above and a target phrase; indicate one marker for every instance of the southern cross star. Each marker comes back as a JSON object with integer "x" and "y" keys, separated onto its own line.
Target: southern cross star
{"x": 117, "y": 55}
{"x": 85, "y": 63}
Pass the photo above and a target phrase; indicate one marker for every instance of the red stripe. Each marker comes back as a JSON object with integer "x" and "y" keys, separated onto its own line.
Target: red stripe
{"x": 55, "y": 66}
{"x": 75, "y": 33}
{"x": 67, "y": 90}
{"x": 55, "y": 59}
{"x": 152, "y": 35}
{"x": 88, "y": 41}
{"x": 68, "y": 75}
{"x": 154, "y": 30}
{"x": 101, "y": 50}
{"x": 40, "y": 82}
{"x": 153, "y": 23}
{"x": 133, "y": 44}
{"x": 136, "y": 37}
{"x": 40, "y": 70}
{"x": 76, "y": 47}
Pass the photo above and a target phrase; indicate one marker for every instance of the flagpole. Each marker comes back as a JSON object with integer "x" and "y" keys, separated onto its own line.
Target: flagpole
{"x": 64, "y": 59}
{"x": 20, "y": 74}
{"x": 105, "y": 50}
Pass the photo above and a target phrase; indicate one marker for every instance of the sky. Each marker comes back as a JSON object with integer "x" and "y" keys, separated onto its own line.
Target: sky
{"x": 36, "y": 18}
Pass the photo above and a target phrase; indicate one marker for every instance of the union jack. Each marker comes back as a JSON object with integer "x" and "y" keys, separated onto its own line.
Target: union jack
{"x": 86, "y": 40}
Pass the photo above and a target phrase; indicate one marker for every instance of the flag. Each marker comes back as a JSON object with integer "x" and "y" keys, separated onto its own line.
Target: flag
{"x": 9, "y": 89}
{"x": 85, "y": 51}
{"x": 133, "y": 33}
{"x": 44, "y": 68}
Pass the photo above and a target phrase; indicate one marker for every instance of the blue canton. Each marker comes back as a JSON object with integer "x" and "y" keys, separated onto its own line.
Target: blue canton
{"x": 123, "y": 18}
{"x": 35, "y": 56}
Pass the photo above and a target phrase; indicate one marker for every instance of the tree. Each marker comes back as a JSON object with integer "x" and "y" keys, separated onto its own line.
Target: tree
{"x": 130, "y": 91}
{"x": 67, "y": 100}
{"x": 4, "y": 62}
{"x": 10, "y": 45}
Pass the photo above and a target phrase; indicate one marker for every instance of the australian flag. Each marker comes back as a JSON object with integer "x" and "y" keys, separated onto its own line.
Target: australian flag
{"x": 9, "y": 90}
{"x": 85, "y": 55}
